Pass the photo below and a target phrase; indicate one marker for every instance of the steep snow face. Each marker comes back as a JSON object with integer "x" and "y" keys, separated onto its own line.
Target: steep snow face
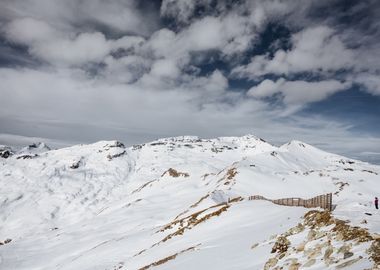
{"x": 167, "y": 204}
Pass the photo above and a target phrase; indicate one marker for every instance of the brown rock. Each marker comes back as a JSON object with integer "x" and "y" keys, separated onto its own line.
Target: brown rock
{"x": 270, "y": 263}
{"x": 347, "y": 255}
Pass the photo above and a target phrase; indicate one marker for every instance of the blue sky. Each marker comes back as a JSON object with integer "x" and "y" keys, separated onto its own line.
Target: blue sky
{"x": 81, "y": 71}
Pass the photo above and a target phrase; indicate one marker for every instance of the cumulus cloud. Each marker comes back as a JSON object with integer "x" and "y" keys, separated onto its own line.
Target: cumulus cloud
{"x": 73, "y": 15}
{"x": 118, "y": 70}
{"x": 71, "y": 107}
{"x": 370, "y": 81}
{"x": 317, "y": 49}
{"x": 52, "y": 46}
{"x": 86, "y": 47}
{"x": 298, "y": 92}
{"x": 29, "y": 31}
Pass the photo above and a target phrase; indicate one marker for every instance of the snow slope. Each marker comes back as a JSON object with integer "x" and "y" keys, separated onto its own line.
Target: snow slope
{"x": 165, "y": 205}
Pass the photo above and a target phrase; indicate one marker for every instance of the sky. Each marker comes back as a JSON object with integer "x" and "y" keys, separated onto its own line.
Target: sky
{"x": 79, "y": 71}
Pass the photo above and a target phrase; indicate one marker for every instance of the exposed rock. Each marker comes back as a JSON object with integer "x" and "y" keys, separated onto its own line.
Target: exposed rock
{"x": 117, "y": 144}
{"x": 6, "y": 241}
{"x": 282, "y": 244}
{"x": 27, "y": 156}
{"x": 345, "y": 248}
{"x": 347, "y": 255}
{"x": 75, "y": 165}
{"x": 5, "y": 152}
{"x": 316, "y": 218}
{"x": 328, "y": 252}
{"x": 374, "y": 251}
{"x": 270, "y": 263}
{"x": 301, "y": 247}
{"x": 173, "y": 173}
{"x": 347, "y": 233}
{"x": 110, "y": 157}
{"x": 311, "y": 235}
{"x": 294, "y": 266}
{"x": 295, "y": 230}
{"x": 327, "y": 256}
{"x": 231, "y": 173}
{"x": 322, "y": 230}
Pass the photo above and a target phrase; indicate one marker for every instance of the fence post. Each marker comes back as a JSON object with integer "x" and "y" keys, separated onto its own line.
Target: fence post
{"x": 330, "y": 201}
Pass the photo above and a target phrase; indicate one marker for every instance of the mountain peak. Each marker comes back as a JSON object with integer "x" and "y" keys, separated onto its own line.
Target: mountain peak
{"x": 182, "y": 199}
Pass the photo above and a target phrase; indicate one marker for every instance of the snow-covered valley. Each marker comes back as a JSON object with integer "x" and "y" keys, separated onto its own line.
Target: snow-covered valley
{"x": 182, "y": 203}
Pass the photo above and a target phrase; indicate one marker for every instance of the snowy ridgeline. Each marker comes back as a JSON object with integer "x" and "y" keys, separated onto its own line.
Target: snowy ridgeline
{"x": 182, "y": 203}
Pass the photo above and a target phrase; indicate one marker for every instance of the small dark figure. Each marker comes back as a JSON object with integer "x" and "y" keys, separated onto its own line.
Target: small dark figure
{"x": 376, "y": 203}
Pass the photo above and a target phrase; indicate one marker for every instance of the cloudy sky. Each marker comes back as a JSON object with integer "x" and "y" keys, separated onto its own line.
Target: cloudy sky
{"x": 78, "y": 71}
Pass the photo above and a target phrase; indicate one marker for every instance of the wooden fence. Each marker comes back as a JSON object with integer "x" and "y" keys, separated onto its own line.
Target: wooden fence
{"x": 323, "y": 201}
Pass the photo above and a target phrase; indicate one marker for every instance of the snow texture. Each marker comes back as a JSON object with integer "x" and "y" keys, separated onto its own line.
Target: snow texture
{"x": 105, "y": 206}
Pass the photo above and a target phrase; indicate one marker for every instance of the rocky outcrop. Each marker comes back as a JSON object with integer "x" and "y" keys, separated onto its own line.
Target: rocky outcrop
{"x": 326, "y": 239}
{"x": 5, "y": 152}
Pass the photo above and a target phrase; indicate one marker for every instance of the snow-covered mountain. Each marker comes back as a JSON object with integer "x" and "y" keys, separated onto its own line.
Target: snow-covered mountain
{"x": 182, "y": 203}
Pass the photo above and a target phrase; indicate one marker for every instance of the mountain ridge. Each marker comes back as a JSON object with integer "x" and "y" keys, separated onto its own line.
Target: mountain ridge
{"x": 177, "y": 195}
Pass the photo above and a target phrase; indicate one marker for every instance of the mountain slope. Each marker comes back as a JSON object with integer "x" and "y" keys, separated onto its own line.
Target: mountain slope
{"x": 167, "y": 205}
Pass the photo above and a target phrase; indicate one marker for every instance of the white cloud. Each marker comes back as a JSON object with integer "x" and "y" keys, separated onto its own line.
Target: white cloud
{"x": 91, "y": 108}
{"x": 53, "y": 46}
{"x": 86, "y": 47}
{"x": 371, "y": 82}
{"x": 212, "y": 87}
{"x": 161, "y": 43}
{"x": 297, "y": 92}
{"x": 29, "y": 31}
{"x": 316, "y": 49}
{"x": 205, "y": 34}
{"x": 73, "y": 15}
{"x": 125, "y": 69}
{"x": 165, "y": 68}
{"x": 145, "y": 83}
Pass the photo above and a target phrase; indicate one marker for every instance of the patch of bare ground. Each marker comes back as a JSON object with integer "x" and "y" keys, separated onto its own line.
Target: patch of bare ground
{"x": 173, "y": 173}
{"x": 236, "y": 199}
{"x": 111, "y": 157}
{"x": 281, "y": 245}
{"x": 199, "y": 201}
{"x": 189, "y": 222}
{"x": 192, "y": 206}
{"x": 169, "y": 258}
{"x": 374, "y": 251}
{"x": 325, "y": 239}
{"x": 229, "y": 177}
